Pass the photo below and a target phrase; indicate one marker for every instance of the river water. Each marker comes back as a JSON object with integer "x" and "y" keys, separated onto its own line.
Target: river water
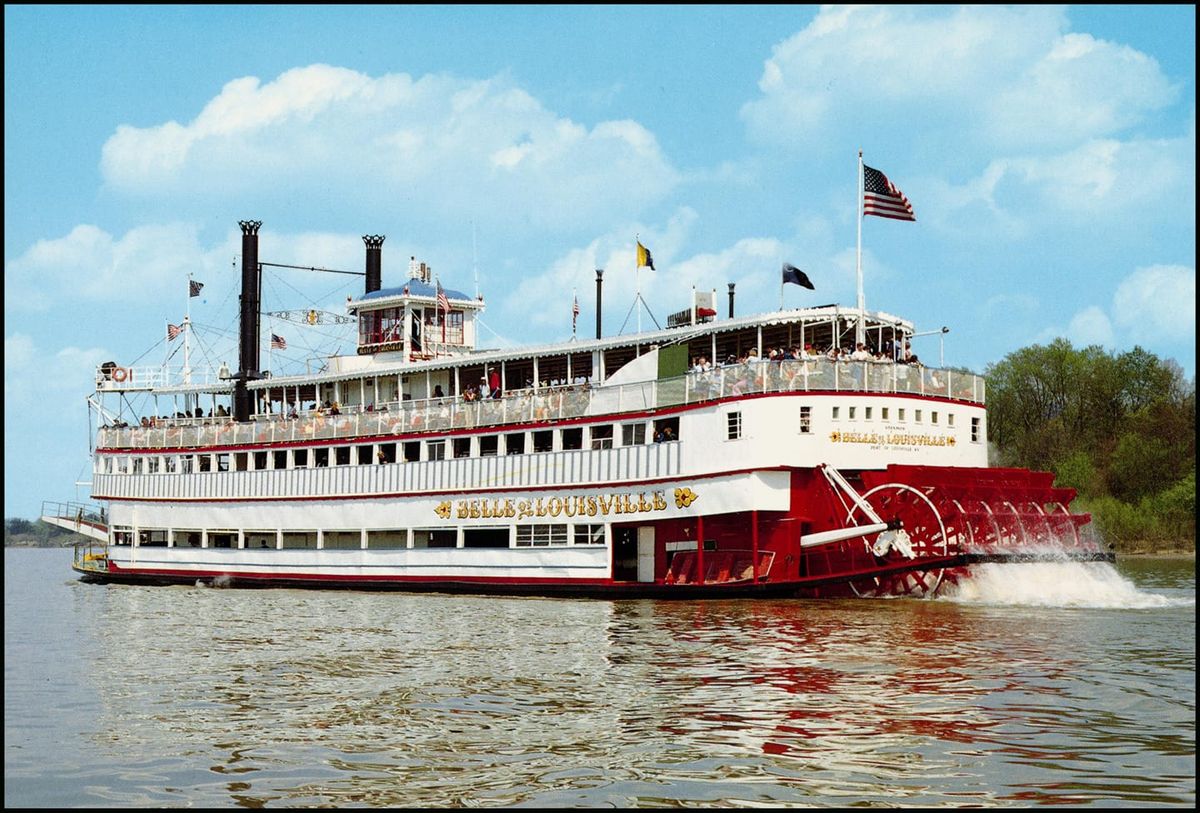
{"x": 1041, "y": 684}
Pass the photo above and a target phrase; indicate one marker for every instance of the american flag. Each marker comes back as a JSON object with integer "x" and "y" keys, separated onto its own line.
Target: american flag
{"x": 277, "y": 342}
{"x": 443, "y": 302}
{"x": 173, "y": 331}
{"x": 574, "y": 313}
{"x": 194, "y": 287}
{"x": 882, "y": 198}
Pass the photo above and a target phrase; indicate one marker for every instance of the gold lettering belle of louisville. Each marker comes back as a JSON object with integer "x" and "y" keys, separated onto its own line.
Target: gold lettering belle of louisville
{"x": 893, "y": 438}
{"x": 570, "y": 506}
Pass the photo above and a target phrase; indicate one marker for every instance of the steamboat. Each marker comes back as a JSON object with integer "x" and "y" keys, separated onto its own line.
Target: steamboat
{"x": 716, "y": 457}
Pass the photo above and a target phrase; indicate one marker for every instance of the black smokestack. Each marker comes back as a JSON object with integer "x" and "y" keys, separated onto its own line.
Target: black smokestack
{"x": 248, "y": 362}
{"x": 731, "y": 300}
{"x": 374, "y": 261}
{"x": 599, "y": 286}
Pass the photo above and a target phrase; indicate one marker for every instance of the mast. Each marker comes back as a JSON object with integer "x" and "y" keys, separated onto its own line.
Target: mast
{"x": 860, "y": 330}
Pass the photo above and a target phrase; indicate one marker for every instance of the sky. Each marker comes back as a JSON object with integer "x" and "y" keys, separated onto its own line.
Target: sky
{"x": 1048, "y": 153}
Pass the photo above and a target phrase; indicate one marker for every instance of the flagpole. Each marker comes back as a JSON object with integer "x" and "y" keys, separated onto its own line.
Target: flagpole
{"x": 858, "y": 333}
{"x": 187, "y": 338}
{"x": 637, "y": 277}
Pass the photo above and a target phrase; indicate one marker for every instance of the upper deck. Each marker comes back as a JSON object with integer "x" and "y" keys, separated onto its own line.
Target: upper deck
{"x": 552, "y": 403}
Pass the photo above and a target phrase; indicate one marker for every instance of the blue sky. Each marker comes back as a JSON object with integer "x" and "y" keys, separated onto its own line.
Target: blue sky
{"x": 1048, "y": 151}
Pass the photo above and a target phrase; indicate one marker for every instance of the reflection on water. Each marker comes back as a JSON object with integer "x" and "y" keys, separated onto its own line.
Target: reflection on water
{"x": 173, "y": 696}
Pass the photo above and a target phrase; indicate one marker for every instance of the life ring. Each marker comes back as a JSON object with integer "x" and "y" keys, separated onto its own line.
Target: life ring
{"x": 120, "y": 374}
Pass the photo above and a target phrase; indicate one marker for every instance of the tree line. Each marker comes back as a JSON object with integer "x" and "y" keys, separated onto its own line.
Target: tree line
{"x": 1118, "y": 428}
{"x": 37, "y": 534}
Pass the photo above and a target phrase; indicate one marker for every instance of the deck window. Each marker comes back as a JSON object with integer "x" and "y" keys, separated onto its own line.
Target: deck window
{"x": 260, "y": 540}
{"x": 152, "y": 538}
{"x": 462, "y": 447}
{"x": 386, "y": 453}
{"x": 867, "y": 413}
{"x": 901, "y": 413}
{"x": 436, "y": 450}
{"x": 602, "y": 437}
{"x": 223, "y": 461}
{"x": 341, "y": 456}
{"x": 514, "y": 443}
{"x": 300, "y": 540}
{"x": 918, "y": 415}
{"x": 341, "y": 540}
{"x": 260, "y": 461}
{"x": 543, "y": 441}
{"x": 280, "y": 461}
{"x": 412, "y": 451}
{"x": 733, "y": 425}
{"x": 572, "y": 438}
{"x": 187, "y": 538}
{"x": 805, "y": 420}
{"x": 488, "y": 445}
{"x": 883, "y": 413}
{"x": 836, "y": 413}
{"x": 633, "y": 434}
{"x": 137, "y": 464}
{"x": 540, "y": 536}
{"x": 851, "y": 415}
{"x": 950, "y": 419}
{"x": 300, "y": 458}
{"x": 364, "y": 455}
{"x": 666, "y": 430}
{"x": 321, "y": 457}
{"x": 223, "y": 539}
{"x": 388, "y": 539}
{"x": 485, "y": 537}
{"x": 976, "y": 430}
{"x": 435, "y": 538}
{"x": 589, "y": 535}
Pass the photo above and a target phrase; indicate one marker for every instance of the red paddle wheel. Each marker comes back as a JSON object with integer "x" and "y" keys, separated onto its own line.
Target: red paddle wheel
{"x": 920, "y": 526}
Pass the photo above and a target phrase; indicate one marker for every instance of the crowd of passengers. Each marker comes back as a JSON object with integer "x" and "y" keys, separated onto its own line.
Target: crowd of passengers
{"x": 889, "y": 352}
{"x": 489, "y": 387}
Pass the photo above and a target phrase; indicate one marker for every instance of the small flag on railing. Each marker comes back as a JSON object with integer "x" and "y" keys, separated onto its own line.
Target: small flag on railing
{"x": 194, "y": 287}
{"x": 173, "y": 332}
{"x": 277, "y": 342}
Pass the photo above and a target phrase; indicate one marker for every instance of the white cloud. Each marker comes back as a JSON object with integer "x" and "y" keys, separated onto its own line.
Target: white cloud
{"x": 49, "y": 381}
{"x": 1100, "y": 180}
{"x": 431, "y": 144}
{"x": 1154, "y": 306}
{"x": 90, "y": 264}
{"x": 1091, "y": 326}
{"x": 1158, "y": 303}
{"x": 1002, "y": 76}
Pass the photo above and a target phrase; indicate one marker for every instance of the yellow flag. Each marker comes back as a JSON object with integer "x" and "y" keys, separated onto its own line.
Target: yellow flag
{"x": 644, "y": 260}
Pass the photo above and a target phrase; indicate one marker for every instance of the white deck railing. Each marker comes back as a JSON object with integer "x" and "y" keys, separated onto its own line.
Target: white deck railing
{"x": 552, "y": 403}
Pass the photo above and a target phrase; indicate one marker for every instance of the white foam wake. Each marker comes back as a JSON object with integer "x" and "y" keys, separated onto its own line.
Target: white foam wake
{"x": 1054, "y": 584}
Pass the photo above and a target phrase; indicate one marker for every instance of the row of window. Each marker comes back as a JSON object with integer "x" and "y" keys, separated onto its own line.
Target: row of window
{"x": 885, "y": 415}
{"x": 733, "y": 420}
{"x": 523, "y": 536}
{"x": 510, "y": 443}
